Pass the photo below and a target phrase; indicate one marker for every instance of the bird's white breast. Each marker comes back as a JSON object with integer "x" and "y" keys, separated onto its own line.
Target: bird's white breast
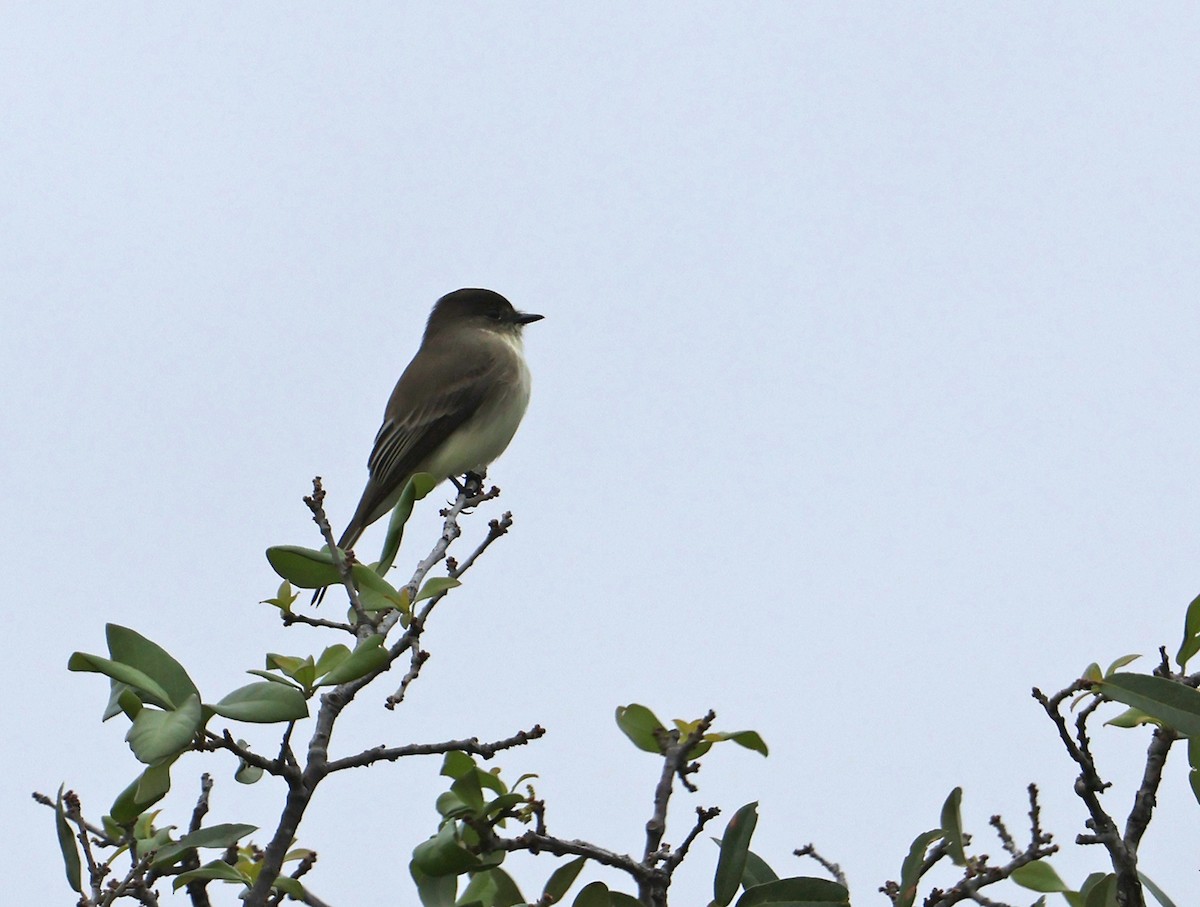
{"x": 488, "y": 432}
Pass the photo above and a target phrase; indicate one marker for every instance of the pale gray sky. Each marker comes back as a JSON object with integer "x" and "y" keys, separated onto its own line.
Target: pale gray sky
{"x": 865, "y": 399}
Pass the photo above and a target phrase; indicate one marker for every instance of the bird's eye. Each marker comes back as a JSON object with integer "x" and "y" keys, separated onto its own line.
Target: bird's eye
{"x": 495, "y": 315}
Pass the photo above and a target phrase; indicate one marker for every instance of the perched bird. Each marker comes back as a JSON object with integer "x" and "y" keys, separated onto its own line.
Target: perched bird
{"x": 456, "y": 406}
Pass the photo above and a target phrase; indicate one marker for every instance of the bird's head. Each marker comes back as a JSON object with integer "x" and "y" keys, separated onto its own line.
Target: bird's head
{"x": 477, "y": 308}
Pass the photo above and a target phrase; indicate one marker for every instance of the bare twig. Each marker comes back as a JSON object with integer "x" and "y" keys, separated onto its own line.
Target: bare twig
{"x": 470, "y": 745}
{"x": 534, "y": 842}
{"x": 675, "y": 755}
{"x": 316, "y": 503}
{"x": 302, "y": 783}
{"x": 419, "y": 657}
{"x": 830, "y": 867}
{"x": 979, "y": 874}
{"x": 496, "y": 528}
{"x": 703, "y": 817}
{"x": 74, "y": 815}
{"x": 1145, "y": 798}
{"x": 99, "y": 834}
{"x": 225, "y": 741}
{"x": 294, "y": 617}
{"x": 201, "y": 810}
{"x": 1122, "y": 851}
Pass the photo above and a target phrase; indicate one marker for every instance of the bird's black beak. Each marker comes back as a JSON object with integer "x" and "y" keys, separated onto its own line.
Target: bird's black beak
{"x": 527, "y": 318}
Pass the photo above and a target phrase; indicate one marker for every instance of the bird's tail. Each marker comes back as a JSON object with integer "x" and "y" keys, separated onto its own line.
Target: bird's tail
{"x": 349, "y": 537}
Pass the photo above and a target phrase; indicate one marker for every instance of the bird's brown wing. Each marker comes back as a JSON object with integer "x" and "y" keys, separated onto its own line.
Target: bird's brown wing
{"x": 412, "y": 430}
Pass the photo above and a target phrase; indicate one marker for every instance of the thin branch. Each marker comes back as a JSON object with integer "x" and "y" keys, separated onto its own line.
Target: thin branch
{"x": 225, "y": 741}
{"x": 830, "y": 867}
{"x": 533, "y": 842}
{"x": 201, "y": 810}
{"x": 316, "y": 503}
{"x": 1089, "y": 783}
{"x": 419, "y": 657}
{"x": 294, "y": 617}
{"x": 470, "y": 745}
{"x": 703, "y": 817}
{"x": 1145, "y": 798}
{"x": 978, "y": 874}
{"x": 496, "y": 528}
{"x": 74, "y": 814}
{"x": 1006, "y": 839}
{"x": 1122, "y": 851}
{"x": 674, "y": 761}
{"x": 317, "y": 765}
{"x": 99, "y": 834}
{"x": 133, "y": 883}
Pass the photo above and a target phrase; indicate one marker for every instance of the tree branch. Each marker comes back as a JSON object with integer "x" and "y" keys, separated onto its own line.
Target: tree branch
{"x": 471, "y": 746}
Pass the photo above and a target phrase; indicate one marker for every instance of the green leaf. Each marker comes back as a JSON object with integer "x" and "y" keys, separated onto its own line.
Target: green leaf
{"x": 121, "y": 698}
{"x": 641, "y": 726}
{"x": 217, "y": 870}
{"x": 1120, "y": 663}
{"x": 1172, "y": 703}
{"x": 468, "y": 790}
{"x": 131, "y": 677}
{"x": 561, "y": 880}
{"x": 154, "y": 840}
{"x": 952, "y": 827}
{"x": 224, "y": 835}
{"x": 154, "y": 783}
{"x": 1103, "y": 893}
{"x": 594, "y": 894}
{"x": 143, "y": 828}
{"x": 283, "y": 599}
{"x": 757, "y": 871}
{"x": 291, "y": 665}
{"x": 492, "y": 781}
{"x": 749, "y": 739}
{"x": 451, "y": 806}
{"x": 167, "y": 855}
{"x": 436, "y": 586}
{"x": 112, "y": 830}
{"x": 1191, "y": 634}
{"x": 290, "y": 886}
{"x": 275, "y": 678}
{"x": 910, "y": 871}
{"x": 1039, "y": 876}
{"x": 143, "y": 792}
{"x": 735, "y": 844}
{"x": 456, "y": 764}
{"x": 263, "y": 703}
{"x": 493, "y": 887}
{"x": 367, "y": 656}
{"x": 503, "y": 802}
{"x": 246, "y": 773}
{"x": 304, "y": 567}
{"x": 1156, "y": 891}
{"x": 434, "y": 891}
{"x": 621, "y": 899}
{"x": 131, "y": 648}
{"x": 155, "y": 735}
{"x": 1130, "y": 718}
{"x": 800, "y": 891}
{"x": 418, "y": 485}
{"x": 1092, "y": 672}
{"x": 66, "y": 843}
{"x": 444, "y": 854}
{"x": 375, "y": 593}
{"x": 332, "y": 657}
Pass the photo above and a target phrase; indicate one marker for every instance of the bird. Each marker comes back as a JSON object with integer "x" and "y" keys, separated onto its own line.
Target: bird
{"x": 457, "y": 405}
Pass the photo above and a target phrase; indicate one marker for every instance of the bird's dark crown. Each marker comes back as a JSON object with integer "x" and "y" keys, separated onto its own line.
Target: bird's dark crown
{"x": 485, "y": 307}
